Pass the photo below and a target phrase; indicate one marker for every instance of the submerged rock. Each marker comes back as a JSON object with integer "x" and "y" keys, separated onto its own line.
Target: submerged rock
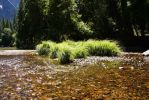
{"x": 146, "y": 53}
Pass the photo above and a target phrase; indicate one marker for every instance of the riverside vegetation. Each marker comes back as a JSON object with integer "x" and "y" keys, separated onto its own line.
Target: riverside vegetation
{"x": 67, "y": 51}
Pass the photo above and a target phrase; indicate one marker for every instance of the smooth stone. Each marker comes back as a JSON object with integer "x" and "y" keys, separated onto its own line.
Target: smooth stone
{"x": 146, "y": 53}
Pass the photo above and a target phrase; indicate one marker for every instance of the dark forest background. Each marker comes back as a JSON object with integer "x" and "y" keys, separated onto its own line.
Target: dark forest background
{"x": 126, "y": 21}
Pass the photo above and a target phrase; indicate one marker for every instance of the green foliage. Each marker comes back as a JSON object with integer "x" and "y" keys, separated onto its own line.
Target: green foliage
{"x": 102, "y": 48}
{"x": 68, "y": 43}
{"x": 95, "y": 12}
{"x": 53, "y": 51}
{"x": 77, "y": 48}
{"x": 69, "y": 50}
{"x": 81, "y": 26}
{"x": 46, "y": 48}
{"x": 43, "y": 49}
{"x": 6, "y": 33}
{"x": 6, "y": 40}
{"x": 21, "y": 31}
{"x": 65, "y": 55}
{"x": 60, "y": 20}
{"x": 31, "y": 23}
{"x": 80, "y": 52}
{"x": 64, "y": 20}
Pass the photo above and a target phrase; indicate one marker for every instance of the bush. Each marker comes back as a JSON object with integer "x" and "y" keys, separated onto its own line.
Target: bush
{"x": 80, "y": 52}
{"x": 44, "y": 48}
{"x": 69, "y": 43}
{"x": 69, "y": 50}
{"x": 65, "y": 55}
{"x": 102, "y": 48}
{"x": 77, "y": 48}
{"x": 53, "y": 52}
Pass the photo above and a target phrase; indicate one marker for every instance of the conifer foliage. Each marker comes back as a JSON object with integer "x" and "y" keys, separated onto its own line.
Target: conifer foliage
{"x": 48, "y": 19}
{"x": 31, "y": 18}
{"x": 7, "y": 33}
{"x": 60, "y": 20}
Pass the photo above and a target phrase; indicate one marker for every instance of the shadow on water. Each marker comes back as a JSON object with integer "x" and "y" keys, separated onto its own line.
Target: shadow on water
{"x": 33, "y": 77}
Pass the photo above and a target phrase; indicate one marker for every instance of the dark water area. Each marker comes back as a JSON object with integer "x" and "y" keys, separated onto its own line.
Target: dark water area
{"x": 27, "y": 77}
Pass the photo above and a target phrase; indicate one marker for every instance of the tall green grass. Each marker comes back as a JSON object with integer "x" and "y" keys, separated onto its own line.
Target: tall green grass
{"x": 65, "y": 54}
{"x": 45, "y": 48}
{"x": 69, "y": 50}
{"x": 80, "y": 52}
{"x": 103, "y": 48}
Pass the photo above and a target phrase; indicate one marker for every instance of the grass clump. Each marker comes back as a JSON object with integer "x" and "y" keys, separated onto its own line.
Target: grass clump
{"x": 102, "y": 48}
{"x": 44, "y": 49}
{"x": 69, "y": 50}
{"x": 53, "y": 52}
{"x": 65, "y": 55}
{"x": 80, "y": 52}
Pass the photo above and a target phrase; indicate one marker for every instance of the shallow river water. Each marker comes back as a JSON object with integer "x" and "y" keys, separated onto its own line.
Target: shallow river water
{"x": 29, "y": 77}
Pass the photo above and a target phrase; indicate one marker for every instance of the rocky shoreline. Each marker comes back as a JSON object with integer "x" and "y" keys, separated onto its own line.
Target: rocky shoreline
{"x": 125, "y": 57}
{"x": 94, "y": 60}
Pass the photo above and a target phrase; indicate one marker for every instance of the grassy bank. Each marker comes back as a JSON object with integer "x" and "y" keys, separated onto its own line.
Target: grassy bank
{"x": 69, "y": 50}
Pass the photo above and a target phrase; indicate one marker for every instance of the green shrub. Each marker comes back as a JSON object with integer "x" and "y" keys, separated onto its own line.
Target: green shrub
{"x": 69, "y": 50}
{"x": 54, "y": 51}
{"x": 77, "y": 48}
{"x": 82, "y": 27}
{"x": 80, "y": 52}
{"x": 65, "y": 55}
{"x": 69, "y": 42}
{"x": 102, "y": 48}
{"x": 44, "y": 48}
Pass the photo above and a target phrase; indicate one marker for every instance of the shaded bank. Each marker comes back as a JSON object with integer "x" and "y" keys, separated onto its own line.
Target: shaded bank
{"x": 135, "y": 44}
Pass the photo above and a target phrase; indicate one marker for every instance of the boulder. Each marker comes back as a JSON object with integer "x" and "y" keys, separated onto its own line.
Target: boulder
{"x": 146, "y": 53}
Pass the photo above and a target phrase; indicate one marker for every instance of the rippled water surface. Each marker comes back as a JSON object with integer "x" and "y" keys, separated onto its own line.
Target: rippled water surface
{"x": 31, "y": 77}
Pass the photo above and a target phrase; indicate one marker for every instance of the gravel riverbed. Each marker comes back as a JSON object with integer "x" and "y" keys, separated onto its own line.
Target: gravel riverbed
{"x": 25, "y": 76}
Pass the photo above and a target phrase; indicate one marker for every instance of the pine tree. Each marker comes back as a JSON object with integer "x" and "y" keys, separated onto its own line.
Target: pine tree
{"x": 31, "y": 23}
{"x": 64, "y": 20}
{"x": 20, "y": 36}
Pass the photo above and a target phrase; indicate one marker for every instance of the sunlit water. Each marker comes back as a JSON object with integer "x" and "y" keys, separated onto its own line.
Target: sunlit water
{"x": 31, "y": 77}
